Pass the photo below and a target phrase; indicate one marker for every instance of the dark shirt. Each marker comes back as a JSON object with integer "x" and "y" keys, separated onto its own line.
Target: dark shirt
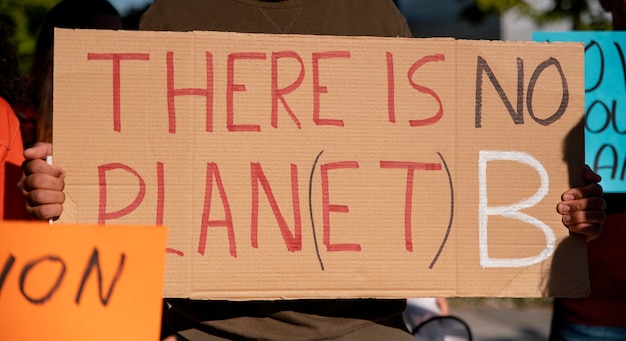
{"x": 606, "y": 303}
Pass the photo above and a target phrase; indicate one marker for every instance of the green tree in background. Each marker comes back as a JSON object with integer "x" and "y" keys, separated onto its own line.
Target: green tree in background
{"x": 579, "y": 12}
{"x": 26, "y": 16}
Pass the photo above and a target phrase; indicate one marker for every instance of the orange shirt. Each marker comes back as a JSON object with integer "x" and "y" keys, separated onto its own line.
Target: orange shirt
{"x": 11, "y": 158}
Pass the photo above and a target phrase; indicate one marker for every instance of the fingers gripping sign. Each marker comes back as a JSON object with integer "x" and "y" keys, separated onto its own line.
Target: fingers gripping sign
{"x": 583, "y": 207}
{"x": 42, "y": 183}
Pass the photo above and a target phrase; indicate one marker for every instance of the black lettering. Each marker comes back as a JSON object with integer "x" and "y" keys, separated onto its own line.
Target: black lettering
{"x": 29, "y": 266}
{"x": 622, "y": 59}
{"x": 531, "y": 87}
{"x": 516, "y": 114}
{"x": 612, "y": 158}
{"x": 610, "y": 118}
{"x": 94, "y": 261}
{"x": 623, "y": 169}
{"x": 590, "y": 111}
{"x": 594, "y": 44}
{"x": 614, "y": 118}
{"x": 5, "y": 270}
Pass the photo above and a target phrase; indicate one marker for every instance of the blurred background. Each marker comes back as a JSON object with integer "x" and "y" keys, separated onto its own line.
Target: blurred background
{"x": 465, "y": 19}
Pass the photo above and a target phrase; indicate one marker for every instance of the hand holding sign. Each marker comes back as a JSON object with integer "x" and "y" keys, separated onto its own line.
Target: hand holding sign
{"x": 42, "y": 184}
{"x": 583, "y": 208}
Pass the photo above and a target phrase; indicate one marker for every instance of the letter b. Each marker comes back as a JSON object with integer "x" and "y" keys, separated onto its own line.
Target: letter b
{"x": 511, "y": 211}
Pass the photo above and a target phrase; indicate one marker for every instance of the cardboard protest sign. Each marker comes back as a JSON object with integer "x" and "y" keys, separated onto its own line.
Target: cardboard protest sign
{"x": 75, "y": 282}
{"x": 292, "y": 166}
{"x": 605, "y": 104}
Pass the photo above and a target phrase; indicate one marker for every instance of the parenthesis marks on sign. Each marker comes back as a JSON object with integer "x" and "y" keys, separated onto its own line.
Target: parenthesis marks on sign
{"x": 445, "y": 238}
{"x": 317, "y": 251}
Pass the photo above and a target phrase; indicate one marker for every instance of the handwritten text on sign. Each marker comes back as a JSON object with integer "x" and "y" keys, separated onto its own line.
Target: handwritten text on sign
{"x": 74, "y": 281}
{"x": 299, "y": 166}
{"x": 605, "y": 113}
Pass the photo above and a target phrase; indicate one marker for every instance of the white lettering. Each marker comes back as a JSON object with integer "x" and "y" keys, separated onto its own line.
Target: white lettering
{"x": 511, "y": 211}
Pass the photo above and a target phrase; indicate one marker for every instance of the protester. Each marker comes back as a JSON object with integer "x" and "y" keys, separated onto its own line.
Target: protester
{"x": 328, "y": 319}
{"x": 602, "y": 314}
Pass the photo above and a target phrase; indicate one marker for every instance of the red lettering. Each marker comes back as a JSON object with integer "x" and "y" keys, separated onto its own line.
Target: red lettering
{"x": 408, "y": 200}
{"x": 279, "y": 94}
{"x": 320, "y": 89}
{"x": 173, "y": 92}
{"x": 103, "y": 215}
{"x": 425, "y": 90}
{"x": 391, "y": 89}
{"x": 160, "y": 194}
{"x": 293, "y": 241}
{"x": 174, "y": 251}
{"x": 117, "y": 58}
{"x": 327, "y": 207}
{"x": 231, "y": 87}
{"x": 161, "y": 203}
{"x": 212, "y": 172}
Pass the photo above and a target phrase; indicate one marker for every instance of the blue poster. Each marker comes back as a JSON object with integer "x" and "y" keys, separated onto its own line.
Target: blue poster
{"x": 605, "y": 102}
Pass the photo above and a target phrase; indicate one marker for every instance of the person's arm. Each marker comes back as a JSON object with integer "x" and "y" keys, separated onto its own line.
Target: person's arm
{"x": 442, "y": 303}
{"x": 42, "y": 184}
{"x": 583, "y": 207}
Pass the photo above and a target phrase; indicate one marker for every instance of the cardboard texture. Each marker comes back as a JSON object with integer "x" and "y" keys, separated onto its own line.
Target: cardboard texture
{"x": 80, "y": 282}
{"x": 605, "y": 102}
{"x": 301, "y": 167}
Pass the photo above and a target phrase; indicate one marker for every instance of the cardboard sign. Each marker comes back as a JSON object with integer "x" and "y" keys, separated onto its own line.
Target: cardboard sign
{"x": 80, "y": 282}
{"x": 605, "y": 104}
{"x": 291, "y": 166}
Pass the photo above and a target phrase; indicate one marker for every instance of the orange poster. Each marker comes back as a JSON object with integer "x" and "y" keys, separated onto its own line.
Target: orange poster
{"x": 80, "y": 282}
